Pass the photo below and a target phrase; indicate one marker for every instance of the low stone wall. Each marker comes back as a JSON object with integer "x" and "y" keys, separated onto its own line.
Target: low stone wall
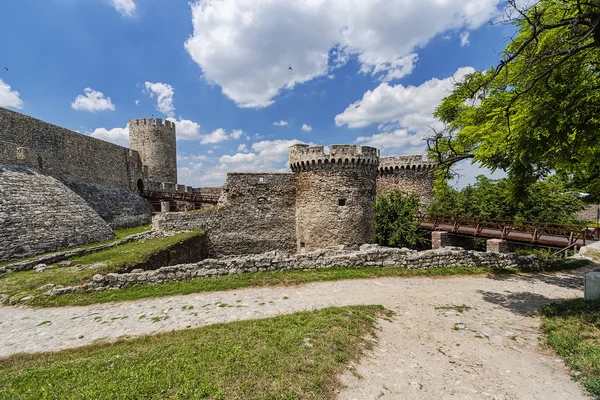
{"x": 368, "y": 256}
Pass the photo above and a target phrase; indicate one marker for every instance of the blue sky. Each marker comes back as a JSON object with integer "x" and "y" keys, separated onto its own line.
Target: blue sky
{"x": 363, "y": 72}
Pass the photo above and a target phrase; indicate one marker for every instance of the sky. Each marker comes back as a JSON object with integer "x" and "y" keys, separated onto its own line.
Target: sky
{"x": 245, "y": 79}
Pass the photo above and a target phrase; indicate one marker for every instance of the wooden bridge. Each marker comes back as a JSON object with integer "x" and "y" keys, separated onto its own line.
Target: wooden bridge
{"x": 540, "y": 233}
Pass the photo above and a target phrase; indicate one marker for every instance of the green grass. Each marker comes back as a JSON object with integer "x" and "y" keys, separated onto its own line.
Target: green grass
{"x": 119, "y": 234}
{"x": 572, "y": 329}
{"x": 26, "y": 283}
{"x": 259, "y": 359}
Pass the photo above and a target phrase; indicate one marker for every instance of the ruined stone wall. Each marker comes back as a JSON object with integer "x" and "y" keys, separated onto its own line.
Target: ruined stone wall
{"x": 411, "y": 174}
{"x": 255, "y": 214}
{"x": 155, "y": 141}
{"x": 70, "y": 155}
{"x": 334, "y": 193}
{"x": 371, "y": 256}
{"x": 39, "y": 214}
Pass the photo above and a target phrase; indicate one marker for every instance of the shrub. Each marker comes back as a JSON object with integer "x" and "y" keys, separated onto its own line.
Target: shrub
{"x": 395, "y": 223}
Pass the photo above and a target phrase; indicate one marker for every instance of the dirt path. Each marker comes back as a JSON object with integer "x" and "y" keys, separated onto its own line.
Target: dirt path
{"x": 426, "y": 352}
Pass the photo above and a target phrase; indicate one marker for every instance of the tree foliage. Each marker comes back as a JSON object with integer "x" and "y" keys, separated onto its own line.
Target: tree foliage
{"x": 544, "y": 201}
{"x": 538, "y": 111}
{"x": 395, "y": 223}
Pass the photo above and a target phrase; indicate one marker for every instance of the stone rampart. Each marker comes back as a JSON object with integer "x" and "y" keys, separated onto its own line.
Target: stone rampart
{"x": 120, "y": 208}
{"x": 39, "y": 214}
{"x": 70, "y": 155}
{"x": 366, "y": 256}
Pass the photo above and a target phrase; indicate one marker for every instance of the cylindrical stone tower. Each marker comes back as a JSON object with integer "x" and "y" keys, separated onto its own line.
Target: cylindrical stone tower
{"x": 155, "y": 141}
{"x": 408, "y": 174}
{"x": 334, "y": 195}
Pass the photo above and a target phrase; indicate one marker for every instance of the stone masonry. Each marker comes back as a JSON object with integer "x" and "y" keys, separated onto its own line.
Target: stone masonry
{"x": 40, "y": 214}
{"x": 409, "y": 174}
{"x": 367, "y": 256}
{"x": 334, "y": 195}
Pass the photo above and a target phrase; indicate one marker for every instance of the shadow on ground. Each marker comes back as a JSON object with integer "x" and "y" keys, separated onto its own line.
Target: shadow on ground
{"x": 521, "y": 303}
{"x": 572, "y": 279}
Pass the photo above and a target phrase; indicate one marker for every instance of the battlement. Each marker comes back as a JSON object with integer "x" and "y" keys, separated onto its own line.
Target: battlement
{"x": 303, "y": 156}
{"x": 152, "y": 122}
{"x": 411, "y": 162}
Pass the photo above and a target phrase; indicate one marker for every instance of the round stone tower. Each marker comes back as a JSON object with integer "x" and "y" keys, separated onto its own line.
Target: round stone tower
{"x": 409, "y": 174}
{"x": 334, "y": 195}
{"x": 155, "y": 141}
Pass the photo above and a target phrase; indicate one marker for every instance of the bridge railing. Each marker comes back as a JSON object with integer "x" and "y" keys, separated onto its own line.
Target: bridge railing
{"x": 477, "y": 226}
{"x": 184, "y": 196}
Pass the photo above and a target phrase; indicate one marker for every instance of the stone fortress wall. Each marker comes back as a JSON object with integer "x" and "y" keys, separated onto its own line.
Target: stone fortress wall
{"x": 409, "y": 173}
{"x": 334, "y": 192}
{"x": 325, "y": 201}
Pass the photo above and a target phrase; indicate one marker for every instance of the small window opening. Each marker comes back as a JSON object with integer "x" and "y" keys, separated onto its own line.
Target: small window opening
{"x": 341, "y": 202}
{"x": 302, "y": 245}
{"x": 261, "y": 179}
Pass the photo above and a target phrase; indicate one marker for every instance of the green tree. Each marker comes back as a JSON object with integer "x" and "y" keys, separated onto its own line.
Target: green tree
{"x": 395, "y": 224}
{"x": 548, "y": 200}
{"x": 538, "y": 111}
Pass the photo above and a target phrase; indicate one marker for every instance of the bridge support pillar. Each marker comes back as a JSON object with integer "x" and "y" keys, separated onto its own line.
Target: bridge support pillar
{"x": 497, "y": 246}
{"x": 441, "y": 239}
{"x": 165, "y": 206}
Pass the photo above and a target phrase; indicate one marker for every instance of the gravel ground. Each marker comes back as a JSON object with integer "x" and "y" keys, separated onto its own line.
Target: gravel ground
{"x": 426, "y": 352}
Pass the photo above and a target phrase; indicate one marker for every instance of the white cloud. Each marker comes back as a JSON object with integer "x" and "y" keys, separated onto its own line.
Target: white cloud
{"x": 398, "y": 140}
{"x": 280, "y": 123}
{"x": 118, "y": 136}
{"x": 411, "y": 107}
{"x": 186, "y": 129}
{"x": 236, "y": 133}
{"x": 93, "y": 101}
{"x": 8, "y": 97}
{"x": 464, "y": 38}
{"x": 246, "y": 46}
{"x": 216, "y": 136}
{"x": 242, "y": 147}
{"x": 125, "y": 7}
{"x": 274, "y": 150}
{"x": 137, "y": 102}
{"x": 306, "y": 128}
{"x": 164, "y": 97}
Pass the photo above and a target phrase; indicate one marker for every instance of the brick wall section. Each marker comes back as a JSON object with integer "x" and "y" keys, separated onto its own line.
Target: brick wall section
{"x": 39, "y": 214}
{"x": 71, "y": 155}
{"x": 255, "y": 215}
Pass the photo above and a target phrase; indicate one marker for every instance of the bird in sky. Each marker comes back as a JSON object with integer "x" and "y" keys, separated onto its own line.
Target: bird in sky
{"x": 6, "y": 68}
{"x": 290, "y": 68}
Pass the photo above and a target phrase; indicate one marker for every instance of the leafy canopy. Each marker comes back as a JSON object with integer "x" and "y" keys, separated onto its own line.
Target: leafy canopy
{"x": 395, "y": 223}
{"x": 544, "y": 201}
{"x": 538, "y": 111}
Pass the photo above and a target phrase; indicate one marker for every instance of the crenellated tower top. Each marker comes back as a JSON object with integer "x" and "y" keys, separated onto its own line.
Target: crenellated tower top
{"x": 410, "y": 162}
{"x": 305, "y": 157}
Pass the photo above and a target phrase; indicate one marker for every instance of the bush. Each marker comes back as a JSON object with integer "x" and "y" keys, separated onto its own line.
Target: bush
{"x": 395, "y": 223}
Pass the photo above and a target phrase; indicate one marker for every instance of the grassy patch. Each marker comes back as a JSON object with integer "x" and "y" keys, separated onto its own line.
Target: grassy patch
{"x": 297, "y": 356}
{"x": 119, "y": 234}
{"x": 26, "y": 283}
{"x": 460, "y": 309}
{"x": 572, "y": 329}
